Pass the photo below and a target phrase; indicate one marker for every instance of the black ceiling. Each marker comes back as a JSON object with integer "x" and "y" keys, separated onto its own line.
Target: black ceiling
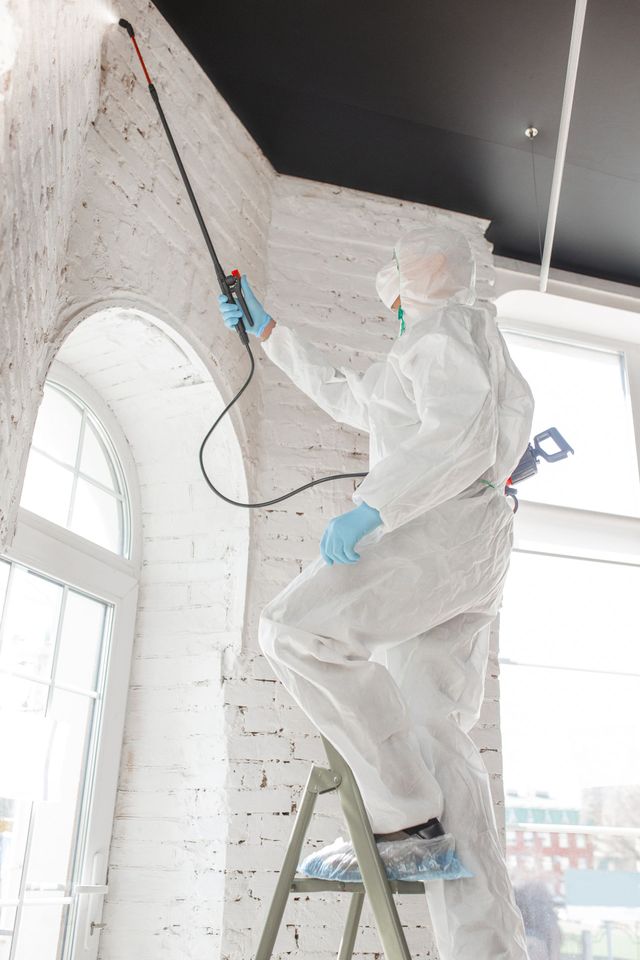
{"x": 429, "y": 101}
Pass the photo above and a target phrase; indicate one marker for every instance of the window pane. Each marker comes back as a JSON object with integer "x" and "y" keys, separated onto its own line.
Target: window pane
{"x": 565, "y": 732}
{"x": 14, "y": 816}
{"x": 57, "y": 491}
{"x": 30, "y": 623}
{"x": 97, "y": 516}
{"x": 95, "y": 461}
{"x": 585, "y": 615}
{"x": 40, "y": 932}
{"x": 582, "y": 392}
{"x": 571, "y": 753}
{"x": 47, "y": 488}
{"x": 80, "y": 641}
{"x": 57, "y": 429}
{"x": 23, "y": 757}
{"x": 54, "y": 833}
{"x": 17, "y": 696}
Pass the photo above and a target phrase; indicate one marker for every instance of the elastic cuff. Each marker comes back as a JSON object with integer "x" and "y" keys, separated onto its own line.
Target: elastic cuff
{"x": 266, "y": 321}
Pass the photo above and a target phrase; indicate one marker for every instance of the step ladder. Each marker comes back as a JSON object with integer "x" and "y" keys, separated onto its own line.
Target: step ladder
{"x": 376, "y": 886}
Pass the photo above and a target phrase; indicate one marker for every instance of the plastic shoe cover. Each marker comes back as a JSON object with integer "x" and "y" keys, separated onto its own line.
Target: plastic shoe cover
{"x": 412, "y": 859}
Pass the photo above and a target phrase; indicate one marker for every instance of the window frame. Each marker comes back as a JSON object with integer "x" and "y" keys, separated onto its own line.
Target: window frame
{"x": 569, "y": 316}
{"x": 58, "y": 553}
{"x": 117, "y": 447}
{"x": 575, "y": 533}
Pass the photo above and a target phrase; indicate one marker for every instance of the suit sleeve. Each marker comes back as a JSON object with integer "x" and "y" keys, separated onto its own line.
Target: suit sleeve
{"x": 457, "y": 439}
{"x": 339, "y": 391}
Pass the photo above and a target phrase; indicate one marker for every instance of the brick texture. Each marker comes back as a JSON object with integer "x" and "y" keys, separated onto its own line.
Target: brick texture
{"x": 105, "y": 261}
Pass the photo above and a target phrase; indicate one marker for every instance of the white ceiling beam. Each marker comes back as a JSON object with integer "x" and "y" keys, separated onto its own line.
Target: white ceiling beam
{"x": 563, "y": 136}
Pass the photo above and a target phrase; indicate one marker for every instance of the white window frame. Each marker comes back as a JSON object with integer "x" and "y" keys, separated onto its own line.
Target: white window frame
{"x": 605, "y": 320}
{"x": 566, "y": 531}
{"x": 58, "y": 553}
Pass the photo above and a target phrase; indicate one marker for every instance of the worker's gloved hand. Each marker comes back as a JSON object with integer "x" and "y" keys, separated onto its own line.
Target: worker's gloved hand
{"x": 232, "y": 312}
{"x": 343, "y": 532}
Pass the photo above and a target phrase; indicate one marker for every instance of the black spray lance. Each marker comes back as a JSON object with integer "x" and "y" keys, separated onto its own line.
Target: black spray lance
{"x": 231, "y": 287}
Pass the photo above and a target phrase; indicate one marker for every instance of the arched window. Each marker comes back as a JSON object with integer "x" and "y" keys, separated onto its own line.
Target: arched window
{"x": 68, "y": 594}
{"x": 74, "y": 477}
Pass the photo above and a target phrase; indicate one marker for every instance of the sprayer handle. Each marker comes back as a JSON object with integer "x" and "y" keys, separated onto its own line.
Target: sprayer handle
{"x": 237, "y": 289}
{"x": 229, "y": 288}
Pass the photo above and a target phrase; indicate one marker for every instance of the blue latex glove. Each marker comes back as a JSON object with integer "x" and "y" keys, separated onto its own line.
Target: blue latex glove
{"x": 232, "y": 313}
{"x": 343, "y": 532}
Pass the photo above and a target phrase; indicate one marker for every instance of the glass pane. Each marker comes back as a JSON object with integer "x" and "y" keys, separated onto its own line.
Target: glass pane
{"x": 586, "y": 735}
{"x": 30, "y": 623}
{"x": 586, "y": 613}
{"x": 97, "y": 516}
{"x": 14, "y": 818}
{"x": 26, "y": 744}
{"x": 571, "y": 754}
{"x": 80, "y": 641}
{"x": 7, "y": 920}
{"x": 54, "y": 833}
{"x": 582, "y": 392}
{"x": 95, "y": 461}
{"x": 18, "y": 696}
{"x": 47, "y": 488}
{"x": 23, "y": 758}
{"x": 40, "y": 932}
{"x": 57, "y": 429}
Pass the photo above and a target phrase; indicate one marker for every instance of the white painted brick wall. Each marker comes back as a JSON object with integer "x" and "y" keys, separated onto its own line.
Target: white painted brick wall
{"x": 312, "y": 251}
{"x": 170, "y": 828}
{"x": 48, "y": 95}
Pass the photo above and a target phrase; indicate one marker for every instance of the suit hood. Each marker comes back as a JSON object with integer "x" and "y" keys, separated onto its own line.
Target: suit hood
{"x": 430, "y": 267}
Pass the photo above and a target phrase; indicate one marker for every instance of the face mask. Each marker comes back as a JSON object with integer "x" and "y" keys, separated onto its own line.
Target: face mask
{"x": 388, "y": 283}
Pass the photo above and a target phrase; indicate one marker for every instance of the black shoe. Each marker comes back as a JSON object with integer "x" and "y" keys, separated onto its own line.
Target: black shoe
{"x": 427, "y": 831}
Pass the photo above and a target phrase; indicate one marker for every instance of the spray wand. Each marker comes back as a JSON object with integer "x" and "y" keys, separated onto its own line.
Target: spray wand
{"x": 230, "y": 286}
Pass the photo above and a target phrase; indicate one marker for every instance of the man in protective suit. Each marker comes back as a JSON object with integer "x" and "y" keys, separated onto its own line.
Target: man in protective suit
{"x": 386, "y": 648}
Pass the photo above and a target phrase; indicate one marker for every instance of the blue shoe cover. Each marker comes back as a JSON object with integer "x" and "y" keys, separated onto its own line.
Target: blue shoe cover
{"x": 412, "y": 859}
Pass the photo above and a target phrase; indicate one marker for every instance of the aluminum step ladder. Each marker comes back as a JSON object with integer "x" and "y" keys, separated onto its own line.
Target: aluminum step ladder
{"x": 376, "y": 886}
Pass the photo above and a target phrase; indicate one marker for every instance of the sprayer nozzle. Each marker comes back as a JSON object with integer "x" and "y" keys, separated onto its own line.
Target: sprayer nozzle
{"x": 126, "y": 26}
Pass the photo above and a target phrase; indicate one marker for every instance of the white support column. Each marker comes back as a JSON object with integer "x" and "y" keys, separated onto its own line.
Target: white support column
{"x": 563, "y": 136}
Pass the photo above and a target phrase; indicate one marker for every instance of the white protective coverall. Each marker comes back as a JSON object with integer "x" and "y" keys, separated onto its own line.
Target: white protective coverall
{"x": 387, "y": 656}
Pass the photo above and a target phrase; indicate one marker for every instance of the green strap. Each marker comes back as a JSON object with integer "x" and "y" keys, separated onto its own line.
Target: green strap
{"x": 401, "y": 319}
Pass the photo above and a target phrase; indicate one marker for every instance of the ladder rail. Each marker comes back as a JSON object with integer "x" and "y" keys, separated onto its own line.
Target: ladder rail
{"x": 274, "y": 917}
{"x": 374, "y": 875}
{"x": 375, "y": 883}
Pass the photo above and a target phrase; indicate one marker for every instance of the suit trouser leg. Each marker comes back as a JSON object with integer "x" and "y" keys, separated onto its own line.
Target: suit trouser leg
{"x": 321, "y": 632}
{"x": 476, "y": 918}
{"x": 325, "y": 665}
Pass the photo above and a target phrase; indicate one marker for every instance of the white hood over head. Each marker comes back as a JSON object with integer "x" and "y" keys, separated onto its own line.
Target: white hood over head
{"x": 430, "y": 266}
